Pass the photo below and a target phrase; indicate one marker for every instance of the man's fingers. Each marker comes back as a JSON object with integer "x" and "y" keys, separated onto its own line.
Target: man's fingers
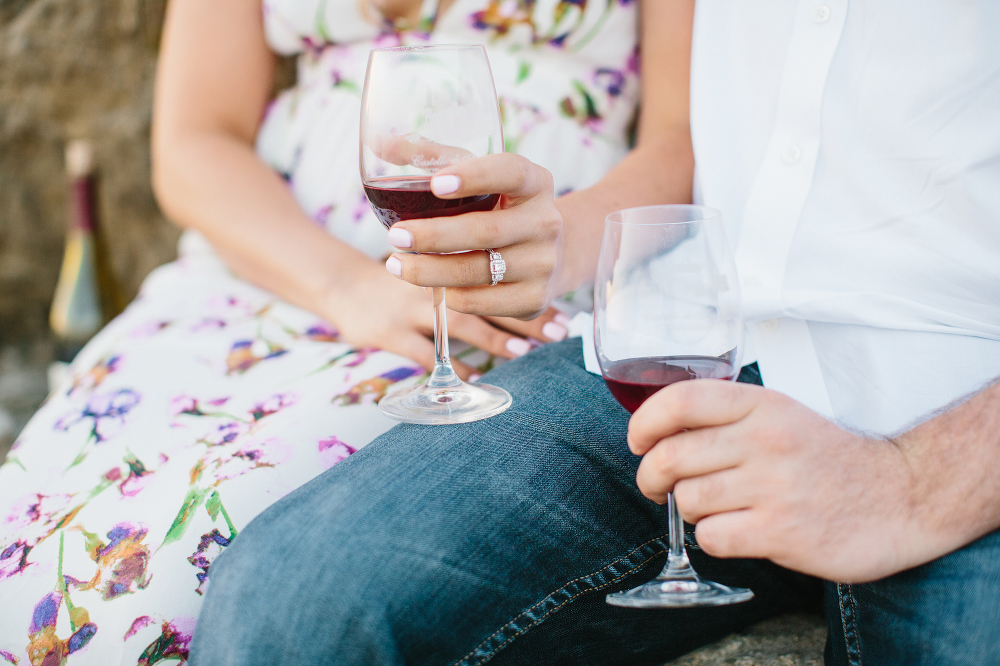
{"x": 690, "y": 404}
{"x": 698, "y": 497}
{"x": 733, "y": 534}
{"x": 506, "y": 173}
{"x": 683, "y": 455}
{"x": 468, "y": 269}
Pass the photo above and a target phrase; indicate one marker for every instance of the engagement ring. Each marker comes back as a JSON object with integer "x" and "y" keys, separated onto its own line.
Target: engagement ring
{"x": 497, "y": 266}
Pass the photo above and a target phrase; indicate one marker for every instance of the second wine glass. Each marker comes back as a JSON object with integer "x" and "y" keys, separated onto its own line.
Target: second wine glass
{"x": 667, "y": 309}
{"x": 425, "y": 108}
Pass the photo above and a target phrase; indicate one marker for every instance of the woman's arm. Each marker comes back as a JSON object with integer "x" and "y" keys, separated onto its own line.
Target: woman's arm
{"x": 213, "y": 84}
{"x": 552, "y": 246}
{"x": 661, "y": 168}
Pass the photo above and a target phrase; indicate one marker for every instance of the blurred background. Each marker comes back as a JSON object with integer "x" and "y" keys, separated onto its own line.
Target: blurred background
{"x": 71, "y": 69}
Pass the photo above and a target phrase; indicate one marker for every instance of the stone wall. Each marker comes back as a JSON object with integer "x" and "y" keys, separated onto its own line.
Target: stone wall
{"x": 74, "y": 69}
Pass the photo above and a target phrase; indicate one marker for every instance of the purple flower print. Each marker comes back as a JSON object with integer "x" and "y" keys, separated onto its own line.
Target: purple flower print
{"x": 322, "y": 332}
{"x": 174, "y": 642}
{"x": 35, "y": 508}
{"x": 321, "y": 216}
{"x": 149, "y": 328}
{"x": 209, "y": 548}
{"x": 361, "y": 209}
{"x": 332, "y": 451}
{"x": 108, "y": 412}
{"x": 138, "y": 624}
{"x": 138, "y": 477}
{"x": 225, "y": 433}
{"x": 10, "y": 657}
{"x": 242, "y": 356}
{"x": 208, "y": 324}
{"x": 91, "y": 379}
{"x": 612, "y": 80}
{"x": 375, "y": 387}
{"x": 44, "y": 647}
{"x": 501, "y": 16}
{"x": 269, "y": 453}
{"x": 273, "y": 405}
{"x": 14, "y": 559}
{"x": 124, "y": 559}
{"x": 184, "y": 404}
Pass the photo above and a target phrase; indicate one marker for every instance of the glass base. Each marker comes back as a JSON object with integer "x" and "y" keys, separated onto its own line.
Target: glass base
{"x": 679, "y": 593}
{"x": 463, "y": 403}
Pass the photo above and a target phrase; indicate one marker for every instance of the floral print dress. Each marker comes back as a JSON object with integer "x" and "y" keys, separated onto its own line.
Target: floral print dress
{"x": 208, "y": 398}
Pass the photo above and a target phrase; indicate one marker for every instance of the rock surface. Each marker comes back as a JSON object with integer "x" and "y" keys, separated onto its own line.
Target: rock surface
{"x": 81, "y": 69}
{"x": 792, "y": 640}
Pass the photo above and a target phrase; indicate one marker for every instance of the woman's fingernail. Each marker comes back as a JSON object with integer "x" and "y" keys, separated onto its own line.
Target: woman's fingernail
{"x": 445, "y": 184}
{"x": 554, "y": 331}
{"x": 394, "y": 266}
{"x": 400, "y": 238}
{"x": 560, "y": 318}
{"x": 518, "y": 347}
{"x": 475, "y": 377}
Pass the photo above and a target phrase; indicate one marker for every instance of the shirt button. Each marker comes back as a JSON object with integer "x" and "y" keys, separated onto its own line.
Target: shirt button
{"x": 821, "y": 13}
{"x": 791, "y": 154}
{"x": 769, "y": 324}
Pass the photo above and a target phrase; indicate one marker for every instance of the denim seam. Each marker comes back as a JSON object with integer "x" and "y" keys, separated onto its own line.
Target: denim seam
{"x": 848, "y": 619}
{"x": 464, "y": 661}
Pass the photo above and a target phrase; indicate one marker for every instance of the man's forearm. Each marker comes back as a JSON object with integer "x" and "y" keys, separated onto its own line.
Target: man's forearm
{"x": 658, "y": 171}
{"x": 955, "y": 463}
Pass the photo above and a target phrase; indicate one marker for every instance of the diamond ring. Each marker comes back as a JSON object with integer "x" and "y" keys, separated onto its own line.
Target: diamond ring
{"x": 497, "y": 266}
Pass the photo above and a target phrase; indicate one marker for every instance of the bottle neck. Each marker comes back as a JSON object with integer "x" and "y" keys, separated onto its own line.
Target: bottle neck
{"x": 81, "y": 204}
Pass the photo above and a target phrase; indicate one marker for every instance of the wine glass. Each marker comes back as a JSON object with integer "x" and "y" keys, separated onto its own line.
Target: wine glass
{"x": 424, "y": 108}
{"x": 667, "y": 309}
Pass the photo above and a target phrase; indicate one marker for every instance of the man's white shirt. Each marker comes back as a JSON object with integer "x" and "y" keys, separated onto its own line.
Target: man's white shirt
{"x": 853, "y": 147}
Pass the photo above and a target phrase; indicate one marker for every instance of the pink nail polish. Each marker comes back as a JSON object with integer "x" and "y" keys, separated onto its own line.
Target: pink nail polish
{"x": 560, "y": 318}
{"x": 400, "y": 238}
{"x": 518, "y": 347}
{"x": 554, "y": 331}
{"x": 445, "y": 184}
{"x": 475, "y": 377}
{"x": 394, "y": 266}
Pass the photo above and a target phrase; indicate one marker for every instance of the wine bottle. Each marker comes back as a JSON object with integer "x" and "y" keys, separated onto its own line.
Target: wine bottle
{"x": 77, "y": 312}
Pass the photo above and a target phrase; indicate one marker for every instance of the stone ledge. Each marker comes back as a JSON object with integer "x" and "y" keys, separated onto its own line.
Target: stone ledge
{"x": 791, "y": 640}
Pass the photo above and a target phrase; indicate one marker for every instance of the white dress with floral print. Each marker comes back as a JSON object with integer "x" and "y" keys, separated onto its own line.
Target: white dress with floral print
{"x": 208, "y": 398}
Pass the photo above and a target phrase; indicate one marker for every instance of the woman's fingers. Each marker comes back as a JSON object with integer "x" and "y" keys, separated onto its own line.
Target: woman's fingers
{"x": 416, "y": 347}
{"x": 472, "y": 231}
{"x": 480, "y": 333}
{"x": 470, "y": 269}
{"x": 550, "y": 326}
{"x": 513, "y": 176}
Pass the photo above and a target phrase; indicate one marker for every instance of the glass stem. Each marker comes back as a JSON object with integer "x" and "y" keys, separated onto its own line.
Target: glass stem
{"x": 443, "y": 375}
{"x": 678, "y": 566}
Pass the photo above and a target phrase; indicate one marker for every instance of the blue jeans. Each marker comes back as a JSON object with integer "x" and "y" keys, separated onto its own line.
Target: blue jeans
{"x": 498, "y": 541}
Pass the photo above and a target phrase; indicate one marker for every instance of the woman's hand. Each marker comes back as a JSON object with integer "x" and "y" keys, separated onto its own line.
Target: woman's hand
{"x": 524, "y": 229}
{"x": 380, "y": 311}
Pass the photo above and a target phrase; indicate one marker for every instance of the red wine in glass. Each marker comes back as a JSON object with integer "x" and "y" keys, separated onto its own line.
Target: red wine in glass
{"x": 632, "y": 380}
{"x": 399, "y": 198}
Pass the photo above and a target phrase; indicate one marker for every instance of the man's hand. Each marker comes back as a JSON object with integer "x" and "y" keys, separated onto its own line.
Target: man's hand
{"x": 524, "y": 229}
{"x": 763, "y": 476}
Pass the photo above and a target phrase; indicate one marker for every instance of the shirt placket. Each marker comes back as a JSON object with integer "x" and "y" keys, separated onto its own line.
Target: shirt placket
{"x": 783, "y": 345}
